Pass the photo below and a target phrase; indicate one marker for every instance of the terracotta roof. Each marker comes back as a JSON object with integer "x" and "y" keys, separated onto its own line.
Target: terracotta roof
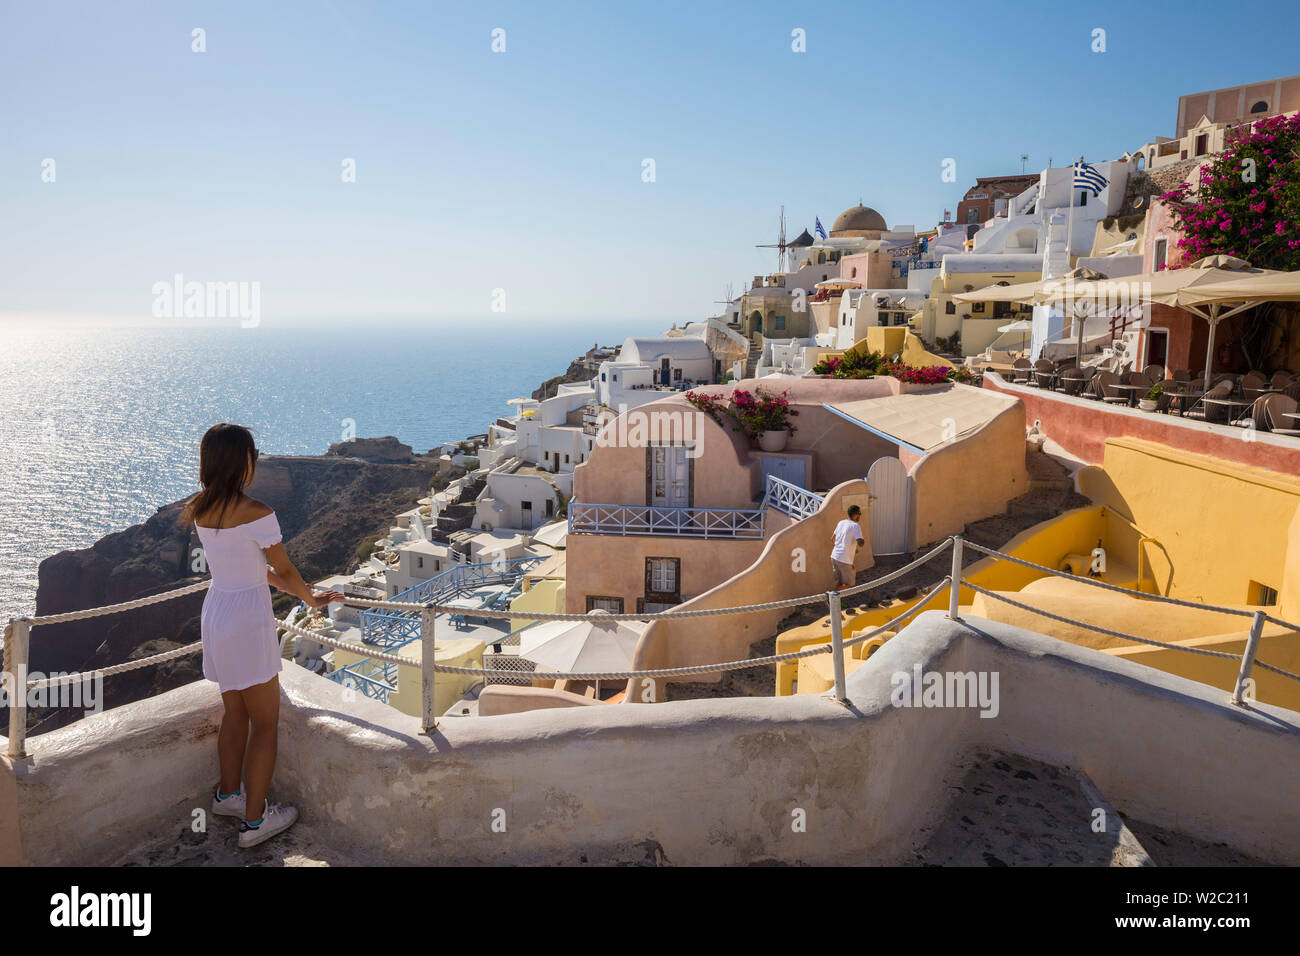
{"x": 1010, "y": 185}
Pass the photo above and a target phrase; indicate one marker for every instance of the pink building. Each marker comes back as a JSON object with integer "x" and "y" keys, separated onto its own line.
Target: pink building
{"x": 1175, "y": 339}
{"x": 664, "y": 512}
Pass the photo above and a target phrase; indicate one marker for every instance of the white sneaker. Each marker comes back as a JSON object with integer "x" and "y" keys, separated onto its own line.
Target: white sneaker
{"x": 275, "y": 819}
{"x": 233, "y": 806}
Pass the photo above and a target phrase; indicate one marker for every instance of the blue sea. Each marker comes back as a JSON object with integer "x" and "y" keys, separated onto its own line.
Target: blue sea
{"x": 100, "y": 422}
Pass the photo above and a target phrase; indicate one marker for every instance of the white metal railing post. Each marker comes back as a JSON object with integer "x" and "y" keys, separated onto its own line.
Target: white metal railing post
{"x": 1248, "y": 657}
{"x": 17, "y": 653}
{"x": 428, "y": 714}
{"x": 837, "y": 645}
{"x": 954, "y": 588}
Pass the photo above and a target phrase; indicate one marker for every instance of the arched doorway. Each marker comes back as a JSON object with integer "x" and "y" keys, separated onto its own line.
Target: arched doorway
{"x": 755, "y": 322}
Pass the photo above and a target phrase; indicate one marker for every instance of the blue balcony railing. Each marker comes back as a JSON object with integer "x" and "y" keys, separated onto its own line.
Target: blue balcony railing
{"x": 386, "y": 628}
{"x": 374, "y": 679}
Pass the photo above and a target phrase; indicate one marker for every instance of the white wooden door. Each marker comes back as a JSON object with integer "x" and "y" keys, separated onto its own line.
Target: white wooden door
{"x": 670, "y": 481}
{"x": 887, "y": 485}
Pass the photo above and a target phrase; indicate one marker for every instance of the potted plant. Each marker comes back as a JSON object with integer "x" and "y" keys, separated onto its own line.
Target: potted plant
{"x": 763, "y": 417}
{"x": 851, "y": 364}
{"x": 1152, "y": 399}
{"x": 912, "y": 379}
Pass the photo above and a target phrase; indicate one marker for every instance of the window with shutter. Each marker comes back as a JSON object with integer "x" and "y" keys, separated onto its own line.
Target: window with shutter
{"x": 663, "y": 580}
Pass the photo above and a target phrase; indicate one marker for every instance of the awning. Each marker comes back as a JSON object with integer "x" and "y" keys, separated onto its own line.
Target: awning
{"x": 922, "y": 421}
{"x": 1031, "y": 293}
{"x": 552, "y": 535}
{"x": 1023, "y": 292}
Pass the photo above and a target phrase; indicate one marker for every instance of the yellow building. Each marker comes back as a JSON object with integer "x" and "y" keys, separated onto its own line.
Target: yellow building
{"x": 899, "y": 340}
{"x": 888, "y": 341}
{"x": 977, "y": 322}
{"x": 1168, "y": 522}
{"x": 542, "y": 589}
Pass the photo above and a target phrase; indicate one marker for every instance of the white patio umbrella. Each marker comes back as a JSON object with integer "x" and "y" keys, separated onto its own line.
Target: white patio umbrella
{"x": 591, "y": 645}
{"x": 1020, "y": 325}
{"x": 1039, "y": 292}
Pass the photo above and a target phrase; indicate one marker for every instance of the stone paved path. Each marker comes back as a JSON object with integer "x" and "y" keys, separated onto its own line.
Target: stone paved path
{"x": 177, "y": 844}
{"x": 1013, "y": 811}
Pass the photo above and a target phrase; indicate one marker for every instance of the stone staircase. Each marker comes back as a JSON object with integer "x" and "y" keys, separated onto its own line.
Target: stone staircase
{"x": 755, "y": 353}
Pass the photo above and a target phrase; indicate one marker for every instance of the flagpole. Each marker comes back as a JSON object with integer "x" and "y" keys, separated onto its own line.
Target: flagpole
{"x": 1069, "y": 229}
{"x": 1069, "y": 241}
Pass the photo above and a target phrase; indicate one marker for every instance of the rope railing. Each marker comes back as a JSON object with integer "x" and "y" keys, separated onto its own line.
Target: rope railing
{"x": 118, "y": 608}
{"x": 662, "y": 672}
{"x": 1158, "y": 598}
{"x": 1062, "y": 619}
{"x": 439, "y": 608}
{"x": 17, "y": 633}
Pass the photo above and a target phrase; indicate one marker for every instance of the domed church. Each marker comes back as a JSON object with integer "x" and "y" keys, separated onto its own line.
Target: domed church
{"x": 859, "y": 222}
{"x": 860, "y": 250}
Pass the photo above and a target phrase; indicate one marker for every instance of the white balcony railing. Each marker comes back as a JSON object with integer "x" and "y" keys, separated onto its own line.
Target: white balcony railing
{"x": 790, "y": 499}
{"x": 785, "y": 497}
{"x": 681, "y": 522}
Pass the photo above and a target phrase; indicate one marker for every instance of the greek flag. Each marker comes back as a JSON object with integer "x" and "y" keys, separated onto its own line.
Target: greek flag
{"x": 820, "y": 229}
{"x": 1089, "y": 178}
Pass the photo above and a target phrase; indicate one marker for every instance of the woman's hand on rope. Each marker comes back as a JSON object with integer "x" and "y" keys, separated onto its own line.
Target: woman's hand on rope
{"x": 319, "y": 599}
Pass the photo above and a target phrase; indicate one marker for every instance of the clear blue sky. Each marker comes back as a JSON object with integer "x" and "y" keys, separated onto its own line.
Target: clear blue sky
{"x": 522, "y": 170}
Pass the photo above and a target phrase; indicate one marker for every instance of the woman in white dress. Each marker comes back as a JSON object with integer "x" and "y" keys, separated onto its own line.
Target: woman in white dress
{"x": 240, "y": 537}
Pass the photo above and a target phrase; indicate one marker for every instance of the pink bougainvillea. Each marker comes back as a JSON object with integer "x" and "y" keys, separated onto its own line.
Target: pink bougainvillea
{"x": 1250, "y": 192}
{"x": 755, "y": 412}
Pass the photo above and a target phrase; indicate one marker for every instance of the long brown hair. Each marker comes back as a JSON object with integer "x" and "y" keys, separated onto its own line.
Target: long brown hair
{"x": 224, "y": 456}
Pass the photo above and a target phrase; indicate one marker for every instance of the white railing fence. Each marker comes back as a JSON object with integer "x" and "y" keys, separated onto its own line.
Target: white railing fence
{"x": 587, "y": 518}
{"x": 790, "y": 499}
{"x": 17, "y": 642}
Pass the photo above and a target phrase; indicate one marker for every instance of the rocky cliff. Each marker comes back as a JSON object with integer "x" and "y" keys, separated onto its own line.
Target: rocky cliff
{"x": 327, "y": 506}
{"x": 577, "y": 371}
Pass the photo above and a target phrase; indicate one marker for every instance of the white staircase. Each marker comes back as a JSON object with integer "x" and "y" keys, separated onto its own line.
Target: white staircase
{"x": 1056, "y": 262}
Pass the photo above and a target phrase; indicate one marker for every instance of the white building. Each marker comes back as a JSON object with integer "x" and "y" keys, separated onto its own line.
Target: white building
{"x": 629, "y": 384}
{"x": 861, "y": 309}
{"x": 1046, "y": 231}
{"x": 727, "y": 346}
{"x": 563, "y": 410}
{"x": 417, "y": 561}
{"x": 1031, "y": 225}
{"x": 521, "y": 496}
{"x": 674, "y": 360}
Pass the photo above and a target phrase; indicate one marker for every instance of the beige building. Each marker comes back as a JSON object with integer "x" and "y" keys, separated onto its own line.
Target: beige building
{"x": 1205, "y": 119}
{"x": 658, "y": 522}
{"x": 976, "y": 322}
{"x": 860, "y": 248}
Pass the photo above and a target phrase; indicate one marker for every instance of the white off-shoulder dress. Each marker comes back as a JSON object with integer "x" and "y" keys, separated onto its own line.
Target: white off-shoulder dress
{"x": 240, "y": 649}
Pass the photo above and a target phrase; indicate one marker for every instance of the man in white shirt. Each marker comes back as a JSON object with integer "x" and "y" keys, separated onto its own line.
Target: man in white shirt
{"x": 847, "y": 532}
